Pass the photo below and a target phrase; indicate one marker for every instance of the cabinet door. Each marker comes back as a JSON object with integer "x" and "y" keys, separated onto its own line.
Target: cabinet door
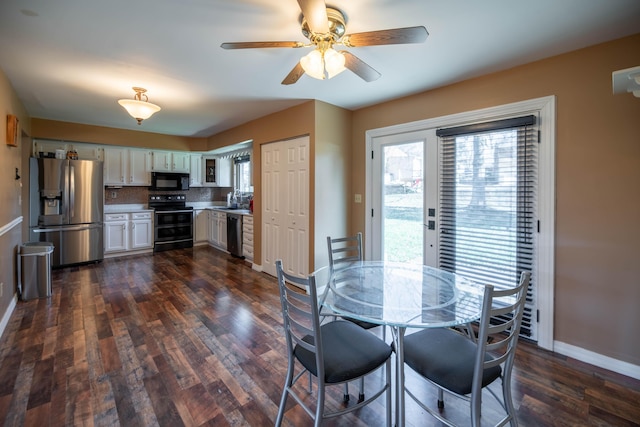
{"x": 141, "y": 234}
{"x": 225, "y": 173}
{"x": 213, "y": 227}
{"x": 201, "y": 222}
{"x": 139, "y": 165}
{"x": 222, "y": 230}
{"x": 47, "y": 147}
{"x": 115, "y": 166}
{"x": 195, "y": 170}
{"x": 115, "y": 236}
{"x": 162, "y": 161}
{"x": 88, "y": 151}
{"x": 180, "y": 162}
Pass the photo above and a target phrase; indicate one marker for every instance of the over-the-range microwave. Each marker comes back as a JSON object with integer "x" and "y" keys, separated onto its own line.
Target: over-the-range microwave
{"x": 169, "y": 181}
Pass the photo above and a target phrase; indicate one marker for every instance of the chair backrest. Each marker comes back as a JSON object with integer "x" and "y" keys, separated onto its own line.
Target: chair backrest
{"x": 344, "y": 250}
{"x": 499, "y": 328}
{"x": 300, "y": 314}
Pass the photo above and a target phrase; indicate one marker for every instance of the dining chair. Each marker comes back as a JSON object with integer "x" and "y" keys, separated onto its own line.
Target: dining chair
{"x": 344, "y": 251}
{"x": 464, "y": 365}
{"x": 335, "y": 352}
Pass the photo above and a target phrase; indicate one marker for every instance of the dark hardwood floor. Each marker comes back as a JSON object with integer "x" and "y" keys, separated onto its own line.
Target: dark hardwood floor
{"x": 194, "y": 337}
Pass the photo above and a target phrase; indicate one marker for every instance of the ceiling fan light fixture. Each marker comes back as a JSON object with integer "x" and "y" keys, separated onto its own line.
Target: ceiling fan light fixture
{"x": 313, "y": 64}
{"x": 333, "y": 62}
{"x": 139, "y": 107}
{"x": 321, "y": 65}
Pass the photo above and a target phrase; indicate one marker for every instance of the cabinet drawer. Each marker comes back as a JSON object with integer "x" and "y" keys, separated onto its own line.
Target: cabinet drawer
{"x": 248, "y": 219}
{"x": 247, "y": 238}
{"x": 247, "y": 228}
{"x": 116, "y": 216}
{"x": 141, "y": 215}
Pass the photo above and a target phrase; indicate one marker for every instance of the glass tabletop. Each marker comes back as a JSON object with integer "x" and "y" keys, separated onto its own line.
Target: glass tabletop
{"x": 399, "y": 294}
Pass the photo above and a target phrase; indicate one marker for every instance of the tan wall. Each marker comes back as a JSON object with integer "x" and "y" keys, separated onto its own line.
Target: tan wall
{"x": 330, "y": 202}
{"x": 597, "y": 289}
{"x": 11, "y": 190}
{"x": 75, "y": 132}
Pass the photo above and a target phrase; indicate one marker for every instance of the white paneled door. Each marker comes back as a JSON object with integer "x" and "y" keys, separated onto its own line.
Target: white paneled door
{"x": 285, "y": 205}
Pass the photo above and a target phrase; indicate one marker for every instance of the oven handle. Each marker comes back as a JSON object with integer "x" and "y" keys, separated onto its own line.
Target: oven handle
{"x": 179, "y": 211}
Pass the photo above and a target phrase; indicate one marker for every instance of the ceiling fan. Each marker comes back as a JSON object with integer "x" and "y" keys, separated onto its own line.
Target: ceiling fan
{"x": 325, "y": 28}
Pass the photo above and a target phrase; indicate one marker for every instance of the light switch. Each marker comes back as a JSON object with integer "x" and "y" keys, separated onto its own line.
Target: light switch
{"x": 357, "y": 198}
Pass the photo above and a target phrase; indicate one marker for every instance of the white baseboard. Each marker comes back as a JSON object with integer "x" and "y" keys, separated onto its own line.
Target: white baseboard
{"x": 596, "y": 359}
{"x": 7, "y": 314}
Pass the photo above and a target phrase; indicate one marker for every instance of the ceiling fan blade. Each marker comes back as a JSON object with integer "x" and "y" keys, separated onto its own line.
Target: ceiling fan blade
{"x": 252, "y": 45}
{"x": 359, "y": 67}
{"x": 382, "y": 37}
{"x": 294, "y": 75}
{"x": 315, "y": 13}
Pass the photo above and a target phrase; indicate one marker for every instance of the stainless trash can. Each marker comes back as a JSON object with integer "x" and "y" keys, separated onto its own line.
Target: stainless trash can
{"x": 34, "y": 270}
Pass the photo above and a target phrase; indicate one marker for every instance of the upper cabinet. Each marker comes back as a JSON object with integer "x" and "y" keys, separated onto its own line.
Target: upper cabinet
{"x": 84, "y": 151}
{"x": 195, "y": 172}
{"x": 127, "y": 166}
{"x": 217, "y": 172}
{"x": 171, "y": 161}
{"x": 225, "y": 172}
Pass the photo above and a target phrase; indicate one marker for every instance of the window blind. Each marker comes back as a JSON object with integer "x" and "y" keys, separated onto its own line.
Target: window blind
{"x": 488, "y": 204}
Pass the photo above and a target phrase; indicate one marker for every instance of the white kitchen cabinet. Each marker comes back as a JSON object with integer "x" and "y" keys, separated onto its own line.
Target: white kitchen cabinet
{"x": 171, "y": 161}
{"x": 247, "y": 237}
{"x": 47, "y": 146}
{"x": 115, "y": 166}
{"x": 115, "y": 232}
{"x": 217, "y": 172}
{"x": 87, "y": 151}
{"x": 141, "y": 230}
{"x": 201, "y": 224}
{"x": 139, "y": 167}
{"x": 225, "y": 172}
{"x": 128, "y": 231}
{"x": 218, "y": 229}
{"x": 125, "y": 166}
{"x": 195, "y": 170}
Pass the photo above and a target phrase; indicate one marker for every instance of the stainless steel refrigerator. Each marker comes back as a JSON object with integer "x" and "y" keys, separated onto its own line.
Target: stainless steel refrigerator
{"x": 66, "y": 199}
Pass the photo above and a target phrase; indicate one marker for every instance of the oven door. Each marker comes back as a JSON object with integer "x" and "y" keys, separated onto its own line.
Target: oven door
{"x": 173, "y": 229}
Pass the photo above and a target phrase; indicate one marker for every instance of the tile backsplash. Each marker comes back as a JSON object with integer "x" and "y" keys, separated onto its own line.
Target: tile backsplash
{"x": 140, "y": 195}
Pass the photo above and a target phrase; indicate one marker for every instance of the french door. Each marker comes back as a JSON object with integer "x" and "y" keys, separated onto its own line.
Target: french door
{"x": 472, "y": 194}
{"x": 399, "y": 198}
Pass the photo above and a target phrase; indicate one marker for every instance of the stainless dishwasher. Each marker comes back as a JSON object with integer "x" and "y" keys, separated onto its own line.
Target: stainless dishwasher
{"x": 234, "y": 234}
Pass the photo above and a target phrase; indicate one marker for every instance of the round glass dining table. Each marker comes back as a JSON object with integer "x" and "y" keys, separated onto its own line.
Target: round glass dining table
{"x": 401, "y": 296}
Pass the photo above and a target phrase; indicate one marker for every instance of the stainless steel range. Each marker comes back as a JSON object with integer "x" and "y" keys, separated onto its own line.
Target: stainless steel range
{"x": 173, "y": 225}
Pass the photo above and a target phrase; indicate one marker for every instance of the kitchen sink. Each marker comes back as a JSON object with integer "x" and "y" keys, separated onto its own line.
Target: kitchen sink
{"x": 237, "y": 211}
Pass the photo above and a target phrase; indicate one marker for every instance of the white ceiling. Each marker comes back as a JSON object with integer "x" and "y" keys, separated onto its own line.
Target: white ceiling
{"x": 71, "y": 60}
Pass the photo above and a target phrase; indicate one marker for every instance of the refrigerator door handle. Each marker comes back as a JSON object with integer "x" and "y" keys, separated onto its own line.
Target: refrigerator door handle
{"x": 72, "y": 191}
{"x": 67, "y": 228}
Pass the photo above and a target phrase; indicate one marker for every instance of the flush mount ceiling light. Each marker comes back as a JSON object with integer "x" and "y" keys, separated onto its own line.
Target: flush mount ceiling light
{"x": 139, "y": 107}
{"x": 627, "y": 81}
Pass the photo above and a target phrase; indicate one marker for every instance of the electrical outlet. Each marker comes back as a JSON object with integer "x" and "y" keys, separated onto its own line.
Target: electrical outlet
{"x": 357, "y": 198}
{"x": 1, "y": 289}
{"x": 114, "y": 194}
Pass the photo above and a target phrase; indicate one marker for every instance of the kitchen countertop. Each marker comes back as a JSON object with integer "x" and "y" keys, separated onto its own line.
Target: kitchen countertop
{"x": 126, "y": 208}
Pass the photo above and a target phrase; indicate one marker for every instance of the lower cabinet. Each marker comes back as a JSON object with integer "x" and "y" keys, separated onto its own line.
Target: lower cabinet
{"x": 128, "y": 231}
{"x": 247, "y": 237}
{"x": 218, "y": 229}
{"x": 201, "y": 224}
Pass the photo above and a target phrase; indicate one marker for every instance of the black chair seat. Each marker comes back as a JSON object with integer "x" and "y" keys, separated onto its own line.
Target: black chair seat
{"x": 349, "y": 352}
{"x": 447, "y": 358}
{"x": 362, "y": 323}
